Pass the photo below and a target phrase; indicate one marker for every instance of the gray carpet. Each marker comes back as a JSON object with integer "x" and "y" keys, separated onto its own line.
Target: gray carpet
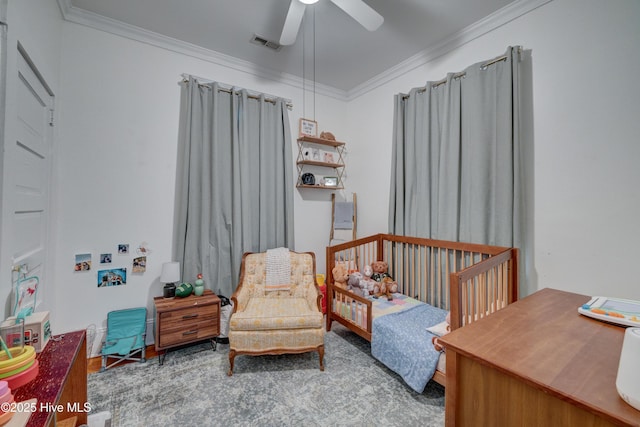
{"x": 193, "y": 389}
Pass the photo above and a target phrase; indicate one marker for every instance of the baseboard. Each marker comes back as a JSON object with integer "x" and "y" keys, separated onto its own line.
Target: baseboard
{"x": 95, "y": 363}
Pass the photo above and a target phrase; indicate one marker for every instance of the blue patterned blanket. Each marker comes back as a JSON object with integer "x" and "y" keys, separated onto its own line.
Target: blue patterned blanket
{"x": 400, "y": 341}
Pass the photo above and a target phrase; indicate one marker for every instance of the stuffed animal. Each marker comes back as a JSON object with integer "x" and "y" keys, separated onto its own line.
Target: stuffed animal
{"x": 355, "y": 284}
{"x": 327, "y": 135}
{"x": 436, "y": 342}
{"x": 340, "y": 275}
{"x": 367, "y": 284}
{"x": 386, "y": 282}
{"x": 379, "y": 270}
{"x": 367, "y": 271}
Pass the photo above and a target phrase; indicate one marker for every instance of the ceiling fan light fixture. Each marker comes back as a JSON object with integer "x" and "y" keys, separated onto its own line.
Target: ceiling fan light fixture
{"x": 357, "y": 9}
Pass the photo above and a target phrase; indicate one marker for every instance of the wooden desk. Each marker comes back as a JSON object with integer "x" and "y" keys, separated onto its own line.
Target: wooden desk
{"x": 61, "y": 384}
{"x": 537, "y": 362}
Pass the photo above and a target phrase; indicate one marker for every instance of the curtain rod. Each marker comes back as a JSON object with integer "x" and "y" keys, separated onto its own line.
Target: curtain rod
{"x": 268, "y": 98}
{"x": 462, "y": 74}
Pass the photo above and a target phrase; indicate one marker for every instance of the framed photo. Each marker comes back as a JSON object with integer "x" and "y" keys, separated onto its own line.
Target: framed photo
{"x": 328, "y": 157}
{"x": 139, "y": 264}
{"x": 308, "y": 127}
{"x": 115, "y": 277}
{"x": 315, "y": 155}
{"x": 330, "y": 181}
{"x": 83, "y": 262}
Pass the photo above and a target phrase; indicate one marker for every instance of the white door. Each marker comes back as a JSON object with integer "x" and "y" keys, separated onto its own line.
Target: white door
{"x": 26, "y": 178}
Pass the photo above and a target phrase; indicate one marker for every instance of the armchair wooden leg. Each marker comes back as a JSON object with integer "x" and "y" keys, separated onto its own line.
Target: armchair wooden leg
{"x": 321, "y": 356}
{"x": 232, "y": 355}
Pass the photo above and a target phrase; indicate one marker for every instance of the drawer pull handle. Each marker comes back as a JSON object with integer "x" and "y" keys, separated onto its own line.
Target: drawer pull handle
{"x": 189, "y": 332}
{"x": 189, "y": 316}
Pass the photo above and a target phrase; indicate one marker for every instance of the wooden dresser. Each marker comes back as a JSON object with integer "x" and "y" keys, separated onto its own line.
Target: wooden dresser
{"x": 61, "y": 385}
{"x": 181, "y": 321}
{"x": 537, "y": 362}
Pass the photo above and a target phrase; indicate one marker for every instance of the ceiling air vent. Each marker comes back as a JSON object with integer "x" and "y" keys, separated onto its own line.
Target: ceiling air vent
{"x": 256, "y": 39}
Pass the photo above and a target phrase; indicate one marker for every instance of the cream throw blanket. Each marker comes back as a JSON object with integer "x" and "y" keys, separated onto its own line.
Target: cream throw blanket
{"x": 278, "y": 266}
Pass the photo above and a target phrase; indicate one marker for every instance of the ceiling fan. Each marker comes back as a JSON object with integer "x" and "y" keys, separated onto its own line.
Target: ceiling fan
{"x": 357, "y": 9}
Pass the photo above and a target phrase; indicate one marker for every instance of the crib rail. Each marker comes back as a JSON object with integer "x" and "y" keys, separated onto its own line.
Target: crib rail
{"x": 471, "y": 280}
{"x": 352, "y": 311}
{"x": 484, "y": 288}
{"x": 354, "y": 254}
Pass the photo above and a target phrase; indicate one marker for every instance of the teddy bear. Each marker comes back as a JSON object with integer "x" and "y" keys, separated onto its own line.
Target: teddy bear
{"x": 340, "y": 275}
{"x": 435, "y": 340}
{"x": 355, "y": 284}
{"x": 385, "y": 281}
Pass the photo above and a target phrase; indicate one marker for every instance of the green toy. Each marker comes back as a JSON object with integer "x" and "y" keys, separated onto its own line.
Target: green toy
{"x": 198, "y": 289}
{"x": 184, "y": 290}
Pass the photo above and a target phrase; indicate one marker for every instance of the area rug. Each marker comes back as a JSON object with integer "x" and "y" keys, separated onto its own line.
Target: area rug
{"x": 192, "y": 388}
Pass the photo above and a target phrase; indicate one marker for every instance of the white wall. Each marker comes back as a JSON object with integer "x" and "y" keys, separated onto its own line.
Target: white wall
{"x": 586, "y": 124}
{"x": 115, "y": 179}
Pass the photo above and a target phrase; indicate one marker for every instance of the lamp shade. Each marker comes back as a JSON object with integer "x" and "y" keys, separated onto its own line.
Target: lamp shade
{"x": 170, "y": 272}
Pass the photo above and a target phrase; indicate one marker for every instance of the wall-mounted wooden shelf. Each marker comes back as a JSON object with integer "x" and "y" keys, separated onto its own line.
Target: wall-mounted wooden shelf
{"x": 322, "y": 164}
{"x": 321, "y": 141}
{"x": 323, "y": 187}
{"x": 317, "y": 156}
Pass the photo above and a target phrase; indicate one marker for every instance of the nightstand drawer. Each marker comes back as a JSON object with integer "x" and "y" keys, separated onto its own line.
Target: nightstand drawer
{"x": 186, "y": 335}
{"x": 188, "y": 317}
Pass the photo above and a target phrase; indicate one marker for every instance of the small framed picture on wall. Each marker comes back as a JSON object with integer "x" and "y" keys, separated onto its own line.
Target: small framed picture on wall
{"x": 308, "y": 127}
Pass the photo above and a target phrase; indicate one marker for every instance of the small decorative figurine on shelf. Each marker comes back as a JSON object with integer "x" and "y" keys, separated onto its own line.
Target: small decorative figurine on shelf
{"x": 328, "y": 136}
{"x": 198, "y": 289}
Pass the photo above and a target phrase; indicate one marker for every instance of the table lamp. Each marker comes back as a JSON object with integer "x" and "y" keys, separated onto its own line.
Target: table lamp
{"x": 169, "y": 276}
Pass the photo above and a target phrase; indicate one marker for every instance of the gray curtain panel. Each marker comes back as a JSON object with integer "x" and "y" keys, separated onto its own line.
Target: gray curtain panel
{"x": 456, "y": 166}
{"x": 234, "y": 188}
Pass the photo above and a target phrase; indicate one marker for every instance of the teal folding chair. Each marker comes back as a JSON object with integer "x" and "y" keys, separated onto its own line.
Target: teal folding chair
{"x": 125, "y": 338}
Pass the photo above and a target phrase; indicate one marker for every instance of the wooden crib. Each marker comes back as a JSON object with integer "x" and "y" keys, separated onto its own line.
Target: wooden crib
{"x": 470, "y": 280}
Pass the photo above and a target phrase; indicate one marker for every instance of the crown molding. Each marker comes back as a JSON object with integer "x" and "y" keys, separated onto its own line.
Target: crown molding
{"x": 89, "y": 19}
{"x": 491, "y": 22}
{"x": 497, "y": 19}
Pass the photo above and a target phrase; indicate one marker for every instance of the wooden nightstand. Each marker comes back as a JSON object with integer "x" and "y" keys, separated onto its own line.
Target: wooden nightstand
{"x": 181, "y": 321}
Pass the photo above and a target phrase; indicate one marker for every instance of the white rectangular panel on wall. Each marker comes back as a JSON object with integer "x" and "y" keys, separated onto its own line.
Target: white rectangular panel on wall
{"x": 26, "y": 175}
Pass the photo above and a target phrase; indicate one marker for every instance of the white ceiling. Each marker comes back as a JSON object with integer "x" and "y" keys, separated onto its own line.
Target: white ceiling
{"x": 346, "y": 55}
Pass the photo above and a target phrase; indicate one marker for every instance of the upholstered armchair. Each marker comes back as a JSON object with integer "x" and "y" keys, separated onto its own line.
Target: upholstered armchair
{"x": 276, "y": 315}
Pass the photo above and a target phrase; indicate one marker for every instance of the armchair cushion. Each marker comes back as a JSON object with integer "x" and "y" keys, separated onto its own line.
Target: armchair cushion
{"x": 262, "y": 313}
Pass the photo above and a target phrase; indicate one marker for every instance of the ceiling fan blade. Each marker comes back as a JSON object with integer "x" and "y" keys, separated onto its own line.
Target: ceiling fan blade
{"x": 292, "y": 23}
{"x": 361, "y": 12}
